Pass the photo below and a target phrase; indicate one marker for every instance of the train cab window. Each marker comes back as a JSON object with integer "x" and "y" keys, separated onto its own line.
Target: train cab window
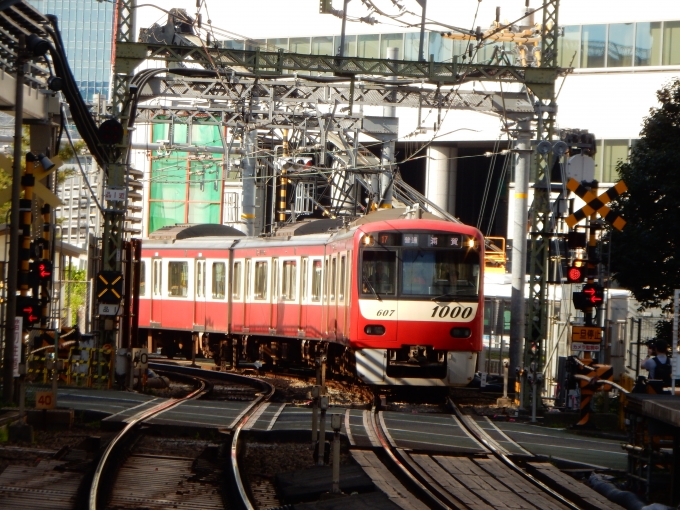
{"x": 261, "y": 270}
{"x": 289, "y": 280}
{"x": 157, "y": 278}
{"x": 341, "y": 291}
{"x": 379, "y": 273}
{"x": 316, "y": 280}
{"x": 200, "y": 278}
{"x": 440, "y": 272}
{"x": 303, "y": 283}
{"x": 219, "y": 280}
{"x": 334, "y": 275}
{"x": 142, "y": 279}
{"x": 236, "y": 281}
{"x": 178, "y": 279}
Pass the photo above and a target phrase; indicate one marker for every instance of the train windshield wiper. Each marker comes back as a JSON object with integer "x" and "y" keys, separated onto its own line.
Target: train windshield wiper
{"x": 371, "y": 287}
{"x": 444, "y": 297}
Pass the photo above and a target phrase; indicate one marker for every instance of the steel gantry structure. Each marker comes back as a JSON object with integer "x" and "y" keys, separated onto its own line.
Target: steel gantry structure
{"x": 255, "y": 89}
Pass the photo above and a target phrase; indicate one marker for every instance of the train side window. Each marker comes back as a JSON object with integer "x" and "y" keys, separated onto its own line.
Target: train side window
{"x": 157, "y": 278}
{"x": 236, "y": 281}
{"x": 316, "y": 280}
{"x": 200, "y": 278}
{"x": 260, "y": 291}
{"x": 219, "y": 279}
{"x": 334, "y": 275}
{"x": 303, "y": 283}
{"x": 341, "y": 291}
{"x": 288, "y": 280}
{"x": 142, "y": 279}
{"x": 178, "y": 279}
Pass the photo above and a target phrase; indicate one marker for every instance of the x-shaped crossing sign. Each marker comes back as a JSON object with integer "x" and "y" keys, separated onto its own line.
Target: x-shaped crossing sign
{"x": 596, "y": 204}
{"x": 38, "y": 188}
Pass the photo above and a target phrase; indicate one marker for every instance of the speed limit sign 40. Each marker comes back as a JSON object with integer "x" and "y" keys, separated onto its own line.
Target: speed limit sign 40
{"x": 45, "y": 400}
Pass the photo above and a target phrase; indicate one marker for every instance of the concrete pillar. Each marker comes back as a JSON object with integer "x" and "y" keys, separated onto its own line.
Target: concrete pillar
{"x": 440, "y": 182}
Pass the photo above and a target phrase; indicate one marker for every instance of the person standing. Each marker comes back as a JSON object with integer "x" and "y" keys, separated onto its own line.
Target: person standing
{"x": 657, "y": 363}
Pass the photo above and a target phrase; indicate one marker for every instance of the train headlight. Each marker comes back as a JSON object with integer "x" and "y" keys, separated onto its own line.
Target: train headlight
{"x": 461, "y": 332}
{"x": 373, "y": 329}
{"x": 367, "y": 240}
{"x": 471, "y": 242}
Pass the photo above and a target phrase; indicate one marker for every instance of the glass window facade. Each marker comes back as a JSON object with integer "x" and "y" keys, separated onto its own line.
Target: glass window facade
{"x": 613, "y": 152}
{"x": 647, "y": 44}
{"x": 185, "y": 188}
{"x": 671, "y": 43}
{"x": 593, "y": 40}
{"x": 87, "y": 30}
{"x": 579, "y": 46}
{"x": 620, "y": 45}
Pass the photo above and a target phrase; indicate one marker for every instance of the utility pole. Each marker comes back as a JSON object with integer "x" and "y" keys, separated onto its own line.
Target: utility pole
{"x": 519, "y": 243}
{"x": 13, "y": 261}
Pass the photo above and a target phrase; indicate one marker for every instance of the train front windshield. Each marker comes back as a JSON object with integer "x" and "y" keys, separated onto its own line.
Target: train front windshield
{"x": 421, "y": 269}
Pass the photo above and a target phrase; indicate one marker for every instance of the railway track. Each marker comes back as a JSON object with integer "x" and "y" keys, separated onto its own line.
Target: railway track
{"x": 487, "y": 476}
{"x": 166, "y": 481}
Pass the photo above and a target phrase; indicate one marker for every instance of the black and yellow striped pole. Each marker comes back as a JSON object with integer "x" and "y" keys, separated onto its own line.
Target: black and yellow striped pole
{"x": 590, "y": 386}
{"x": 283, "y": 182}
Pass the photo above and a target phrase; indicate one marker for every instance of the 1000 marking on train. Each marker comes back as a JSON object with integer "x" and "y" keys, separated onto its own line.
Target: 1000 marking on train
{"x": 419, "y": 311}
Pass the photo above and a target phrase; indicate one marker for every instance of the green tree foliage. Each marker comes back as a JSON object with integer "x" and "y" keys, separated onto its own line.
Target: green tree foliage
{"x": 75, "y": 291}
{"x": 645, "y": 256}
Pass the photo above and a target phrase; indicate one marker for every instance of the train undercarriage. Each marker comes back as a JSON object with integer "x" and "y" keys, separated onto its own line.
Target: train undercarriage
{"x": 410, "y": 365}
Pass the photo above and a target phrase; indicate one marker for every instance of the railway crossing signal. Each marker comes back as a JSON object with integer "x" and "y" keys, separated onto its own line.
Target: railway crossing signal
{"x": 29, "y": 308}
{"x": 109, "y": 287}
{"x": 590, "y": 297}
{"x": 596, "y": 204}
{"x": 42, "y": 269}
{"x": 577, "y": 271}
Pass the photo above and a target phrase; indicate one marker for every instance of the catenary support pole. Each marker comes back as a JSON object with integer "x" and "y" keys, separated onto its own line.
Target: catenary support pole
{"x": 519, "y": 243}
{"x": 249, "y": 163}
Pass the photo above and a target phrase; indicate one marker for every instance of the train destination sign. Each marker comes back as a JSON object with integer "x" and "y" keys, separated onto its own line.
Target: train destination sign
{"x": 421, "y": 240}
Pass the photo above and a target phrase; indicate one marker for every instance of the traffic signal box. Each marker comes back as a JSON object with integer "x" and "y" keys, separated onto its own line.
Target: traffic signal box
{"x": 30, "y": 309}
{"x": 591, "y": 296}
{"x": 576, "y": 272}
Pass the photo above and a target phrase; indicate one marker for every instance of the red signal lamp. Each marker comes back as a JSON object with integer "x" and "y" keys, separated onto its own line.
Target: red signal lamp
{"x": 576, "y": 272}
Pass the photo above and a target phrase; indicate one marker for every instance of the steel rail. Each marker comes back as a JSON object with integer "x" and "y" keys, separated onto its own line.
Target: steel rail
{"x": 236, "y": 432}
{"x": 378, "y": 427}
{"x": 117, "y": 441}
{"x": 499, "y": 452}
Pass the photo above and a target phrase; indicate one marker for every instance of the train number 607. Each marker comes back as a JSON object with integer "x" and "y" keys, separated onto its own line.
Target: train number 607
{"x": 457, "y": 311}
{"x": 385, "y": 313}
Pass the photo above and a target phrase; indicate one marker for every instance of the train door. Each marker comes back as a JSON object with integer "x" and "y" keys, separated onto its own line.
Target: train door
{"x": 348, "y": 296}
{"x": 199, "y": 295}
{"x": 247, "y": 293}
{"x": 333, "y": 297}
{"x": 237, "y": 296}
{"x": 302, "y": 309}
{"x": 259, "y": 308}
{"x": 341, "y": 298}
{"x": 156, "y": 290}
{"x": 325, "y": 298}
{"x": 315, "y": 313}
{"x": 274, "y": 303}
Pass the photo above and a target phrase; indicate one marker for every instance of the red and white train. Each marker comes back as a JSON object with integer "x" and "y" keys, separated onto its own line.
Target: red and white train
{"x": 397, "y": 301}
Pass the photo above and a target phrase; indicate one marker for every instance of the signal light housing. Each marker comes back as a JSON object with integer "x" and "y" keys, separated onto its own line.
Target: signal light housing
{"x": 29, "y": 308}
{"x": 576, "y": 272}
